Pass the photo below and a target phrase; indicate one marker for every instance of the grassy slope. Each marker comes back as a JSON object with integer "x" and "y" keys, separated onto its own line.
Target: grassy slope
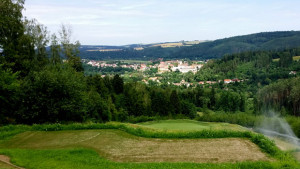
{"x": 83, "y": 158}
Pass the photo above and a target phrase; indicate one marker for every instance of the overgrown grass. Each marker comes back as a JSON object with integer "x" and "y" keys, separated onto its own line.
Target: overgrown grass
{"x": 89, "y": 159}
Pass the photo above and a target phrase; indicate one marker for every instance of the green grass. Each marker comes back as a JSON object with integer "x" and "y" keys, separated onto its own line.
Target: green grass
{"x": 190, "y": 125}
{"x": 89, "y": 159}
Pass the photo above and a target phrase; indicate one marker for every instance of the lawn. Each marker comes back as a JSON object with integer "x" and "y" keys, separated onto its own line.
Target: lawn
{"x": 191, "y": 125}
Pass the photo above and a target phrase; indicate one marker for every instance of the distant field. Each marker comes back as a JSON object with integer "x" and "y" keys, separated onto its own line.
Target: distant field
{"x": 176, "y": 44}
{"x": 294, "y": 58}
{"x": 169, "y": 45}
{"x": 191, "y": 125}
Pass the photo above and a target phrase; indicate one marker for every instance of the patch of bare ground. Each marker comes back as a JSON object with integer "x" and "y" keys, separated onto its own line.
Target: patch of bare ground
{"x": 5, "y": 163}
{"x": 120, "y": 146}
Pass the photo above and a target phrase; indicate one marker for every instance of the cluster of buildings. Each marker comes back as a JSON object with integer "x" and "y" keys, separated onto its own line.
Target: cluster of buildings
{"x": 163, "y": 66}
{"x": 181, "y": 66}
{"x": 188, "y": 84}
{"x": 101, "y": 64}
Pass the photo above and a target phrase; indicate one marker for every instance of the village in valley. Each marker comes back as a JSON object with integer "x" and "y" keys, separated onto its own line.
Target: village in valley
{"x": 161, "y": 67}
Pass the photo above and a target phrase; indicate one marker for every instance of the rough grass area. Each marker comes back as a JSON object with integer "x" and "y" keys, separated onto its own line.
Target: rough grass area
{"x": 188, "y": 125}
{"x": 122, "y": 147}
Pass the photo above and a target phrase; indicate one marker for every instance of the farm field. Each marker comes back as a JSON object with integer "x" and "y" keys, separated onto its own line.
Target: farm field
{"x": 117, "y": 148}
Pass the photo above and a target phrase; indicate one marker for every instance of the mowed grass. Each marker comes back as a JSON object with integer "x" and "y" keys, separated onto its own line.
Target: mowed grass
{"x": 190, "y": 125}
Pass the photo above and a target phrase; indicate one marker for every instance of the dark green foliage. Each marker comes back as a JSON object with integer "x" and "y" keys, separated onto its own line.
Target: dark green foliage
{"x": 282, "y": 94}
{"x": 53, "y": 94}
{"x": 9, "y": 89}
{"x": 175, "y": 106}
{"x": 188, "y": 109}
{"x": 244, "y": 119}
{"x": 117, "y": 84}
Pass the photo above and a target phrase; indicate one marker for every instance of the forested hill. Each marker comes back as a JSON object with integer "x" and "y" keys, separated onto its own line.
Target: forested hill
{"x": 206, "y": 50}
{"x": 252, "y": 42}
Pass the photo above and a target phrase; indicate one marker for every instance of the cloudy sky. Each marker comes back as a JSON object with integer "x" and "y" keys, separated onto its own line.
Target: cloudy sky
{"x": 120, "y": 22}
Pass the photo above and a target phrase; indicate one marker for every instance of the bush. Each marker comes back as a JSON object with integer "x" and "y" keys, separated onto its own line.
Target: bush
{"x": 244, "y": 119}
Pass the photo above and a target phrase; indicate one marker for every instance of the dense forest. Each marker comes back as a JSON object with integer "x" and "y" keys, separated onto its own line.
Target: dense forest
{"x": 275, "y": 41}
{"x": 37, "y": 86}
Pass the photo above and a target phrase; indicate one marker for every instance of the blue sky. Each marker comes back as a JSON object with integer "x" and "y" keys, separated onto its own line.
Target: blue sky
{"x": 120, "y": 22}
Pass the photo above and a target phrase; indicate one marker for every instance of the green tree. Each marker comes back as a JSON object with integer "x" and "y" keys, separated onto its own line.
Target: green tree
{"x": 117, "y": 84}
{"x": 69, "y": 49}
{"x": 9, "y": 89}
{"x": 175, "y": 107}
{"x": 56, "y": 93}
{"x": 17, "y": 47}
{"x": 39, "y": 38}
{"x": 55, "y": 50}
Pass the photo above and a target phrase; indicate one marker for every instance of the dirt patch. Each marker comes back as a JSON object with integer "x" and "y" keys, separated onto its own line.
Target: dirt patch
{"x": 120, "y": 146}
{"x": 5, "y": 160}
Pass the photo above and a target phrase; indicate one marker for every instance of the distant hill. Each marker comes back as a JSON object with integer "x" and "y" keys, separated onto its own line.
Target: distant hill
{"x": 252, "y": 42}
{"x": 196, "y": 49}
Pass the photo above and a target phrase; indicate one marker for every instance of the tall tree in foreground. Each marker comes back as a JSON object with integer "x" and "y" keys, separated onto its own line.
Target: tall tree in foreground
{"x": 70, "y": 50}
{"x": 16, "y": 49}
{"x": 39, "y": 39}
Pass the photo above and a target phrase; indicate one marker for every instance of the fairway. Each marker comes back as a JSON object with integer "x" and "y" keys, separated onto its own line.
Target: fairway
{"x": 120, "y": 146}
{"x": 192, "y": 125}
